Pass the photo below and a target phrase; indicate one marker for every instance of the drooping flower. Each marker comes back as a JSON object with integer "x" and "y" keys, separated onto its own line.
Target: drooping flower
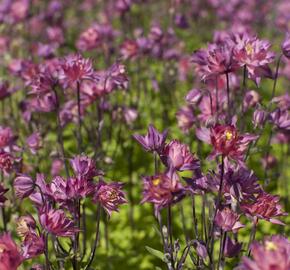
{"x": 178, "y": 156}
{"x": 285, "y": 46}
{"x": 162, "y": 190}
{"x": 259, "y": 118}
{"x": 153, "y": 140}
{"x": 281, "y": 119}
{"x": 110, "y": 196}
{"x": 56, "y": 222}
{"x": 24, "y": 186}
{"x": 266, "y": 206}
{"x": 10, "y": 257}
{"x": 226, "y": 141}
{"x": 232, "y": 248}
{"x": 272, "y": 253}
{"x": 228, "y": 220}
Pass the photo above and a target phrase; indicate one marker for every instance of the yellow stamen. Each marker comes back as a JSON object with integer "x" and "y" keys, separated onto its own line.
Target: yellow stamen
{"x": 249, "y": 49}
{"x": 229, "y": 135}
{"x": 156, "y": 181}
{"x": 270, "y": 246}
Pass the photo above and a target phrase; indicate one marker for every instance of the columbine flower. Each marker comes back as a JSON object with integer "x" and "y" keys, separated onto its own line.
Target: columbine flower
{"x": 110, "y": 196}
{"x": 25, "y": 225}
{"x": 228, "y": 220}
{"x": 56, "y": 222}
{"x": 255, "y": 55}
{"x": 24, "y": 186}
{"x": 226, "y": 141}
{"x": 34, "y": 142}
{"x": 153, "y": 140}
{"x": 194, "y": 96}
{"x": 6, "y": 136}
{"x": 178, "y": 156}
{"x": 272, "y": 253}
{"x": 75, "y": 69}
{"x": 259, "y": 118}
{"x": 84, "y": 167}
{"x": 162, "y": 190}
{"x": 2, "y": 195}
{"x": 281, "y": 119}
{"x": 129, "y": 49}
{"x": 232, "y": 248}
{"x": 286, "y": 46}
{"x": 266, "y": 207}
{"x": 10, "y": 257}
{"x": 6, "y": 162}
{"x": 33, "y": 245}
{"x": 185, "y": 118}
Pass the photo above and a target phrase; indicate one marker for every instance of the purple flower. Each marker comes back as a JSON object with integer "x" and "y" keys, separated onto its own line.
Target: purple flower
{"x": 285, "y": 46}
{"x": 56, "y": 222}
{"x": 259, "y": 118}
{"x": 178, "y": 156}
{"x": 265, "y": 206}
{"x": 129, "y": 49}
{"x": 33, "y": 245}
{"x": 194, "y": 96}
{"x": 6, "y": 137}
{"x": 25, "y": 226}
{"x": 281, "y": 119}
{"x": 6, "y": 162}
{"x": 185, "y": 118}
{"x": 34, "y": 142}
{"x": 162, "y": 190}
{"x": 153, "y": 140}
{"x": 232, "y": 248}
{"x": 24, "y": 186}
{"x": 228, "y": 220}
{"x": 272, "y": 253}
{"x": 110, "y": 196}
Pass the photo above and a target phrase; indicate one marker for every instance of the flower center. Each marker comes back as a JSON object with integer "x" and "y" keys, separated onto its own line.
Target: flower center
{"x": 229, "y": 135}
{"x": 156, "y": 182}
{"x": 271, "y": 246}
{"x": 249, "y": 49}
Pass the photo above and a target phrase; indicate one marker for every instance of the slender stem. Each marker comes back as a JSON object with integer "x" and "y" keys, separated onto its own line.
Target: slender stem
{"x": 84, "y": 225}
{"x": 222, "y": 247}
{"x": 252, "y": 236}
{"x": 228, "y": 98}
{"x": 47, "y": 263}
{"x": 169, "y": 226}
{"x": 276, "y": 76}
{"x": 96, "y": 238}
{"x": 194, "y": 218}
{"x": 79, "y": 129}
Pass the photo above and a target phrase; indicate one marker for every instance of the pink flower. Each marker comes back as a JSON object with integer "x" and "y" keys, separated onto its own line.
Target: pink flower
{"x": 6, "y": 136}
{"x": 34, "y": 142}
{"x": 6, "y": 162}
{"x": 24, "y": 186}
{"x": 272, "y": 254}
{"x": 10, "y": 257}
{"x": 228, "y": 220}
{"x": 185, "y": 118}
{"x": 178, "y": 156}
{"x": 110, "y": 196}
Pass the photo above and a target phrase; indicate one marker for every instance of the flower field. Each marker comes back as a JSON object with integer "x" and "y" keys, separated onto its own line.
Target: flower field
{"x": 144, "y": 135}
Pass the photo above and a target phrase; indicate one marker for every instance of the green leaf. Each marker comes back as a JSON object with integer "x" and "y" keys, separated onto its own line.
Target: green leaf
{"x": 156, "y": 253}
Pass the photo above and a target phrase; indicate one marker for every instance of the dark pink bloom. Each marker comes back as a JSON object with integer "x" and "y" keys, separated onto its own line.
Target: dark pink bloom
{"x": 2, "y": 195}
{"x": 6, "y": 162}
{"x": 10, "y": 257}
{"x": 272, "y": 254}
{"x": 162, "y": 190}
{"x": 153, "y": 140}
{"x": 226, "y": 141}
{"x": 56, "y": 222}
{"x": 110, "y": 196}
{"x": 178, "y": 156}
{"x": 6, "y": 136}
{"x": 194, "y": 96}
{"x": 281, "y": 119}
{"x": 286, "y": 46}
{"x": 266, "y": 206}
{"x": 33, "y": 245}
{"x": 129, "y": 49}
{"x": 75, "y": 69}
{"x": 24, "y": 186}
{"x": 228, "y": 220}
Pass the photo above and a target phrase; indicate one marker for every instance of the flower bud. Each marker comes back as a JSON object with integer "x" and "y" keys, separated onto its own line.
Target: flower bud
{"x": 24, "y": 186}
{"x": 259, "y": 118}
{"x": 193, "y": 96}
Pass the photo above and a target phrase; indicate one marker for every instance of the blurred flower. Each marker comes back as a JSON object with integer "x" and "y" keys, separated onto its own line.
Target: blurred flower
{"x": 178, "y": 156}
{"x": 5, "y": 90}
{"x": 269, "y": 161}
{"x": 6, "y": 136}
{"x": 232, "y": 248}
{"x": 226, "y": 141}
{"x": 130, "y": 115}
{"x": 34, "y": 142}
{"x": 33, "y": 245}
{"x": 251, "y": 99}
{"x": 56, "y": 222}
{"x": 25, "y": 225}
{"x": 110, "y": 196}
{"x": 181, "y": 21}
{"x": 56, "y": 167}
{"x": 228, "y": 220}
{"x": 24, "y": 186}
{"x": 281, "y": 119}
{"x": 162, "y": 190}
{"x": 10, "y": 257}
{"x": 266, "y": 207}
{"x": 193, "y": 96}
{"x": 185, "y": 118}
{"x": 285, "y": 46}
{"x": 2, "y": 195}
{"x": 283, "y": 101}
{"x": 84, "y": 167}
{"x": 129, "y": 49}
{"x": 259, "y": 118}
{"x": 272, "y": 253}
{"x": 6, "y": 162}
{"x": 153, "y": 140}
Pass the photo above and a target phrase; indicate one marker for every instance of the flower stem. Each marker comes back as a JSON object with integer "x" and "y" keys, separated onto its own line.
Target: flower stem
{"x": 79, "y": 129}
{"x": 228, "y": 98}
{"x": 252, "y": 236}
{"x": 169, "y": 226}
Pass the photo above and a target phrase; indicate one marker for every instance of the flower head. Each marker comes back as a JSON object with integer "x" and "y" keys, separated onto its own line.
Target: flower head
{"x": 178, "y": 156}
{"x": 6, "y": 136}
{"x": 34, "y": 142}
{"x": 110, "y": 196}
{"x": 228, "y": 220}
{"x": 10, "y": 257}
{"x": 6, "y": 162}
{"x": 153, "y": 140}
{"x": 266, "y": 206}
{"x": 24, "y": 186}
{"x": 272, "y": 253}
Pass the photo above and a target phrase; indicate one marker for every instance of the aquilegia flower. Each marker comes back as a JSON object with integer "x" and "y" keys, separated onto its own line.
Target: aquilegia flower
{"x": 56, "y": 222}
{"x": 228, "y": 220}
{"x": 226, "y": 141}
{"x": 110, "y": 196}
{"x": 153, "y": 140}
{"x": 24, "y": 186}
{"x": 162, "y": 190}
{"x": 266, "y": 206}
{"x": 178, "y": 156}
{"x": 272, "y": 253}
{"x": 10, "y": 257}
